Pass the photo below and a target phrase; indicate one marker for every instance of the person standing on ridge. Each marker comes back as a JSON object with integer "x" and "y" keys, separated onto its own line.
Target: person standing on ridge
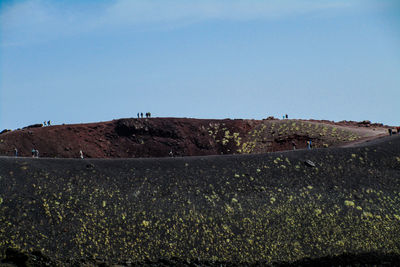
{"x": 390, "y": 131}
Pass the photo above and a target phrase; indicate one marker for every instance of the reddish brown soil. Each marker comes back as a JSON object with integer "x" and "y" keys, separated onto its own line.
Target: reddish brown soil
{"x": 158, "y": 137}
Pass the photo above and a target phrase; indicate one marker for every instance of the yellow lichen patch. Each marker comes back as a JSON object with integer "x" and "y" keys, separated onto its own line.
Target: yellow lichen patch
{"x": 318, "y": 211}
{"x": 349, "y": 203}
{"x": 367, "y": 214}
{"x": 145, "y": 223}
{"x": 369, "y": 190}
{"x": 228, "y": 209}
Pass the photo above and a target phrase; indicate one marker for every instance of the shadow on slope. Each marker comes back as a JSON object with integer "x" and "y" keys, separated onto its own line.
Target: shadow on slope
{"x": 13, "y": 257}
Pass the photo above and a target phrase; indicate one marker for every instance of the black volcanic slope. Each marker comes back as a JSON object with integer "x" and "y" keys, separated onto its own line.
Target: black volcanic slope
{"x": 235, "y": 209}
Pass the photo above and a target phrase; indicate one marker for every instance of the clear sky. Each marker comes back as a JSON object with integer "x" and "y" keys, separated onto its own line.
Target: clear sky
{"x": 81, "y": 61}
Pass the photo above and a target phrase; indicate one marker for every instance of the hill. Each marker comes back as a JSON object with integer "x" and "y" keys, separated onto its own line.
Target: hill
{"x": 158, "y": 137}
{"x": 258, "y": 208}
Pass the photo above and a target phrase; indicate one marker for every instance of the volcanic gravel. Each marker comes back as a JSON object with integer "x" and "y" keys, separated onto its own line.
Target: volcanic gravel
{"x": 232, "y": 210}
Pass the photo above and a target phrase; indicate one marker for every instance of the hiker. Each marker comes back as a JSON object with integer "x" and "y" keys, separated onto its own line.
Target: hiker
{"x": 16, "y": 152}
{"x": 44, "y": 123}
{"x": 33, "y": 152}
{"x": 309, "y": 144}
{"x": 138, "y": 115}
{"x": 294, "y": 145}
{"x": 81, "y": 154}
{"x": 141, "y": 115}
{"x": 37, "y": 153}
{"x": 149, "y": 114}
{"x": 390, "y": 131}
{"x": 286, "y": 116}
{"x": 48, "y": 123}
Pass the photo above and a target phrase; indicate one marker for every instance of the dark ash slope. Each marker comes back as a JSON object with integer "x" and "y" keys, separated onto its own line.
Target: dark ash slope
{"x": 247, "y": 208}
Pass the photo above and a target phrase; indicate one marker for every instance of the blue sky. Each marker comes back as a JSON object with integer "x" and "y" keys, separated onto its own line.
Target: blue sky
{"x": 88, "y": 61}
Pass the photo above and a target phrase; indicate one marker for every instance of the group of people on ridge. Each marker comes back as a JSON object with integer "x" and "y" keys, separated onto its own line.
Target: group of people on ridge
{"x": 140, "y": 115}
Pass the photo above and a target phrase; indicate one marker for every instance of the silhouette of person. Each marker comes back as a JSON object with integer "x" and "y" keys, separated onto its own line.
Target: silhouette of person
{"x": 390, "y": 131}
{"x": 141, "y": 115}
{"x": 48, "y": 123}
{"x": 286, "y": 116}
{"x": 44, "y": 123}
{"x": 138, "y": 115}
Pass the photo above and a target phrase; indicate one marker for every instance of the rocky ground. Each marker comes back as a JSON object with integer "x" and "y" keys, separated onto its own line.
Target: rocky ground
{"x": 330, "y": 205}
